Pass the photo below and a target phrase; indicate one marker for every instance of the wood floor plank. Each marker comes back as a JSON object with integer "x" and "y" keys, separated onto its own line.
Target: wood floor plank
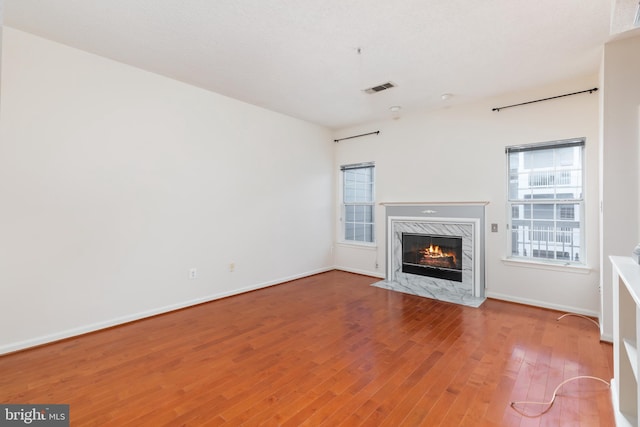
{"x": 325, "y": 350}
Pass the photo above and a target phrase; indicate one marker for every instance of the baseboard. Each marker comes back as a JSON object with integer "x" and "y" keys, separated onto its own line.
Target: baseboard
{"x": 357, "y": 271}
{"x": 543, "y": 304}
{"x": 606, "y": 338}
{"x": 70, "y": 333}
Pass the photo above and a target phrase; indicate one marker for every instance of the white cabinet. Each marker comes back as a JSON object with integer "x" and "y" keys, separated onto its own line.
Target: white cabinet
{"x": 626, "y": 325}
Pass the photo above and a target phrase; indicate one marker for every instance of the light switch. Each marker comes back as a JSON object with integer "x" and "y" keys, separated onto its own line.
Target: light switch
{"x": 494, "y": 228}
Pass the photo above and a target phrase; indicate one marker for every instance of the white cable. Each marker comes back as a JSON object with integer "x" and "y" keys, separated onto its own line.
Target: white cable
{"x": 555, "y": 392}
{"x": 579, "y": 315}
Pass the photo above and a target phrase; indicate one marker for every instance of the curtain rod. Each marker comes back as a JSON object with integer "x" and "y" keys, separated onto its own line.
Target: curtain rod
{"x": 546, "y": 99}
{"x": 356, "y": 136}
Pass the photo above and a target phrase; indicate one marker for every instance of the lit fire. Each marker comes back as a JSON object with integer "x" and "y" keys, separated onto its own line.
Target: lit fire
{"x": 435, "y": 253}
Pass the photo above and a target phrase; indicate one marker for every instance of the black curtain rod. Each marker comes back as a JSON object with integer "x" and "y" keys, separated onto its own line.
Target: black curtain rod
{"x": 356, "y": 136}
{"x": 595, "y": 89}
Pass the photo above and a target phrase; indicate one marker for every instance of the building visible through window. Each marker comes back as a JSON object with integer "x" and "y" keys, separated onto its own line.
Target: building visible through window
{"x": 546, "y": 201}
{"x": 358, "y": 202}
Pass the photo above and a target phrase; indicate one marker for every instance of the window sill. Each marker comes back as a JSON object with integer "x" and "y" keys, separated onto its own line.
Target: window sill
{"x": 571, "y": 268}
{"x": 361, "y": 245}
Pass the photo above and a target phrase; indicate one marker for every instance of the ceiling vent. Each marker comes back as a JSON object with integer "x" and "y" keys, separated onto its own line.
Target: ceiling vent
{"x": 380, "y": 88}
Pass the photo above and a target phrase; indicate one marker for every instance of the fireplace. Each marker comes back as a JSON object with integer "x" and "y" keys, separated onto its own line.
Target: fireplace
{"x": 432, "y": 255}
{"x": 436, "y": 256}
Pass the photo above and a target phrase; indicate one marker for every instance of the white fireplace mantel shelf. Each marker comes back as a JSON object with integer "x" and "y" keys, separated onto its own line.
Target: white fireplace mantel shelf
{"x": 474, "y": 203}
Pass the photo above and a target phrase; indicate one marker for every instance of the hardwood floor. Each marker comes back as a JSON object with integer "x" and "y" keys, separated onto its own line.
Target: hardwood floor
{"x": 326, "y": 350}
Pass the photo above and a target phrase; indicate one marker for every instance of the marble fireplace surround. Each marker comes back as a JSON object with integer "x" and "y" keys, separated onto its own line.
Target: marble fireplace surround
{"x": 461, "y": 219}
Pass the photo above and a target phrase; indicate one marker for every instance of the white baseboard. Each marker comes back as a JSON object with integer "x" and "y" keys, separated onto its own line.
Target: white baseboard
{"x": 45, "y": 339}
{"x": 357, "y": 271}
{"x": 69, "y": 333}
{"x": 543, "y": 304}
{"x": 606, "y": 338}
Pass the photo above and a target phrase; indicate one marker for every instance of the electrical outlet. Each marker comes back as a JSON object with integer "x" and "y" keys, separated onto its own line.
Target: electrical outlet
{"x": 232, "y": 267}
{"x": 193, "y": 273}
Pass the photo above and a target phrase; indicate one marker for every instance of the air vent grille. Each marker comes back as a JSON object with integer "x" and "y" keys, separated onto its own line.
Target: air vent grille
{"x": 380, "y": 88}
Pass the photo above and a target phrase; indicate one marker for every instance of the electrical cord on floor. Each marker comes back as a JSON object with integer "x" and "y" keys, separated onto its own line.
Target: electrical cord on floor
{"x": 579, "y": 315}
{"x": 549, "y": 404}
{"x": 555, "y": 393}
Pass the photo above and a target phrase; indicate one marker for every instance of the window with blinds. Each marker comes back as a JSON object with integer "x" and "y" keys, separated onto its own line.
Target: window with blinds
{"x": 358, "y": 202}
{"x": 546, "y": 201}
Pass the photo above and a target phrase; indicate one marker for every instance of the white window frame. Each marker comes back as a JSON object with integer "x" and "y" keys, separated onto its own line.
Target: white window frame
{"x": 521, "y": 244}
{"x": 344, "y": 204}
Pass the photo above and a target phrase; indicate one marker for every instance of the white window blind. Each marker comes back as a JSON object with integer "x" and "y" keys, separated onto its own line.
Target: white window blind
{"x": 546, "y": 201}
{"x": 358, "y": 202}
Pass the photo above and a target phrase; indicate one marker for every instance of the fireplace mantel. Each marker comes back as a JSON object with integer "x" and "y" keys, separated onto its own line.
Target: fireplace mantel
{"x": 465, "y": 219}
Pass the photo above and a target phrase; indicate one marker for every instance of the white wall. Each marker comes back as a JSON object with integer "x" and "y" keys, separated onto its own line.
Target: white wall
{"x": 114, "y": 182}
{"x": 1, "y": 23}
{"x": 456, "y": 154}
{"x": 619, "y": 164}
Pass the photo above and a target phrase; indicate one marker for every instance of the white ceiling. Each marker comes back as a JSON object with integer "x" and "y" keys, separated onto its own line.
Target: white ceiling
{"x": 300, "y": 57}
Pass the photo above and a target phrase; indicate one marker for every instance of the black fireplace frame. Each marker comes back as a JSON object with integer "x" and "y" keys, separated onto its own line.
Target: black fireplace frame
{"x": 453, "y": 274}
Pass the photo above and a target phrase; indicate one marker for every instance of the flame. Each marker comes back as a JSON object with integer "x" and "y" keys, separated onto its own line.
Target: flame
{"x": 436, "y": 252}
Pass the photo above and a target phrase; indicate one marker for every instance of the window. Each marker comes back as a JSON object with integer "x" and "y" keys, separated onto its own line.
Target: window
{"x": 358, "y": 204}
{"x": 546, "y": 201}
